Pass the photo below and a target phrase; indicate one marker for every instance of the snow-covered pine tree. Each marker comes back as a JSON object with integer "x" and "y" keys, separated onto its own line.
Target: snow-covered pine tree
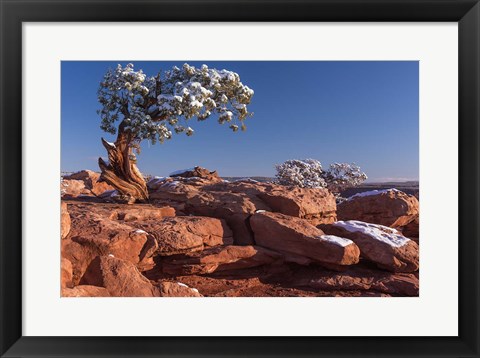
{"x": 139, "y": 107}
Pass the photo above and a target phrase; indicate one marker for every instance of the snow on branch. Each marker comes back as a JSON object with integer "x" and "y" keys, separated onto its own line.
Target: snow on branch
{"x": 153, "y": 107}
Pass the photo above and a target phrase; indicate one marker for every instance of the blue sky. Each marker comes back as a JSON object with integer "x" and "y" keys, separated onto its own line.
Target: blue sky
{"x": 341, "y": 111}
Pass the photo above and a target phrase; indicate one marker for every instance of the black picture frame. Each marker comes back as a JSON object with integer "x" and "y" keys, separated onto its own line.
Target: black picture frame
{"x": 14, "y": 12}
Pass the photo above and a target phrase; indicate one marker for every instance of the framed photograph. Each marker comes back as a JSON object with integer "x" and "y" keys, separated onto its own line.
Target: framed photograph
{"x": 329, "y": 204}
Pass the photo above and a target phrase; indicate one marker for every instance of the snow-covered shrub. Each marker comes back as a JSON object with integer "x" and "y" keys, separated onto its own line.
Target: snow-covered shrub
{"x": 306, "y": 173}
{"x": 341, "y": 176}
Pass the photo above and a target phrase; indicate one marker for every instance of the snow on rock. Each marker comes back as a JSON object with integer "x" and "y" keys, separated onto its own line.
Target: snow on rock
{"x": 340, "y": 241}
{"x": 109, "y": 193}
{"x": 384, "y": 246}
{"x": 372, "y": 192}
{"x": 155, "y": 182}
{"x": 170, "y": 184}
{"x": 295, "y": 236}
{"x": 246, "y": 180}
{"x": 381, "y": 233}
{"x": 390, "y": 207}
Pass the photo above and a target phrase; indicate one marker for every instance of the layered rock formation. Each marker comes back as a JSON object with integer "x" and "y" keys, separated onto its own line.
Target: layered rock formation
{"x": 388, "y": 207}
{"x": 203, "y": 236}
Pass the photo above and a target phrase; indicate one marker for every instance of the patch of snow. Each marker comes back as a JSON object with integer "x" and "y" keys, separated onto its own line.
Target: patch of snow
{"x": 380, "y": 233}
{"x": 109, "y": 194}
{"x": 110, "y": 255}
{"x": 372, "y": 192}
{"x": 140, "y": 231}
{"x": 155, "y": 180}
{"x": 178, "y": 172}
{"x": 194, "y": 289}
{"x": 226, "y": 181}
{"x": 247, "y": 180}
{"x": 170, "y": 184}
{"x": 110, "y": 144}
{"x": 339, "y": 241}
{"x": 260, "y": 211}
{"x": 182, "y": 284}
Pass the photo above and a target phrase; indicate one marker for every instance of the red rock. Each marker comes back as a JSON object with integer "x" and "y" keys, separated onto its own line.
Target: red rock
{"x": 91, "y": 181}
{"x": 177, "y": 289}
{"x": 219, "y": 259}
{"x": 235, "y": 202}
{"x": 200, "y": 173}
{"x": 411, "y": 230}
{"x": 385, "y": 246}
{"x": 85, "y": 291}
{"x": 73, "y": 188}
{"x": 173, "y": 190}
{"x": 358, "y": 278}
{"x": 138, "y": 214}
{"x": 389, "y": 207}
{"x": 66, "y": 273}
{"x": 119, "y": 277}
{"x": 234, "y": 208}
{"x": 65, "y": 221}
{"x": 187, "y": 233}
{"x": 94, "y": 235}
{"x": 316, "y": 205}
{"x": 297, "y": 236}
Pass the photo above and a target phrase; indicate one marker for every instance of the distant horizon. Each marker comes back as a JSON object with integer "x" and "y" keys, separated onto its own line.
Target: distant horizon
{"x": 368, "y": 181}
{"x": 363, "y": 112}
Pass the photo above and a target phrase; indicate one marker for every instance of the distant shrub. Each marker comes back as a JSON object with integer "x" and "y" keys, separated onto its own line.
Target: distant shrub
{"x": 308, "y": 173}
{"x": 341, "y": 176}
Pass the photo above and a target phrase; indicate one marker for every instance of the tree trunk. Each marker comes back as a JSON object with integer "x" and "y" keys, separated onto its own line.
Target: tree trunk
{"x": 121, "y": 172}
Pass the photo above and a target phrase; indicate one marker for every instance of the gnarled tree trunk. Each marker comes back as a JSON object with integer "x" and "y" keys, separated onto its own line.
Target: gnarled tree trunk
{"x": 121, "y": 172}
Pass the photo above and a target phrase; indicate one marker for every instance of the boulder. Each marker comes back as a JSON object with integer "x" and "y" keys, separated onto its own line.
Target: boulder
{"x": 297, "y": 236}
{"x": 177, "y": 289}
{"x": 85, "y": 291}
{"x": 66, "y": 273}
{"x": 219, "y": 259}
{"x": 390, "y": 207}
{"x": 91, "y": 181}
{"x": 187, "y": 234}
{"x": 65, "y": 221}
{"x": 385, "y": 246}
{"x": 316, "y": 205}
{"x": 94, "y": 235}
{"x": 73, "y": 188}
{"x": 119, "y": 277}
